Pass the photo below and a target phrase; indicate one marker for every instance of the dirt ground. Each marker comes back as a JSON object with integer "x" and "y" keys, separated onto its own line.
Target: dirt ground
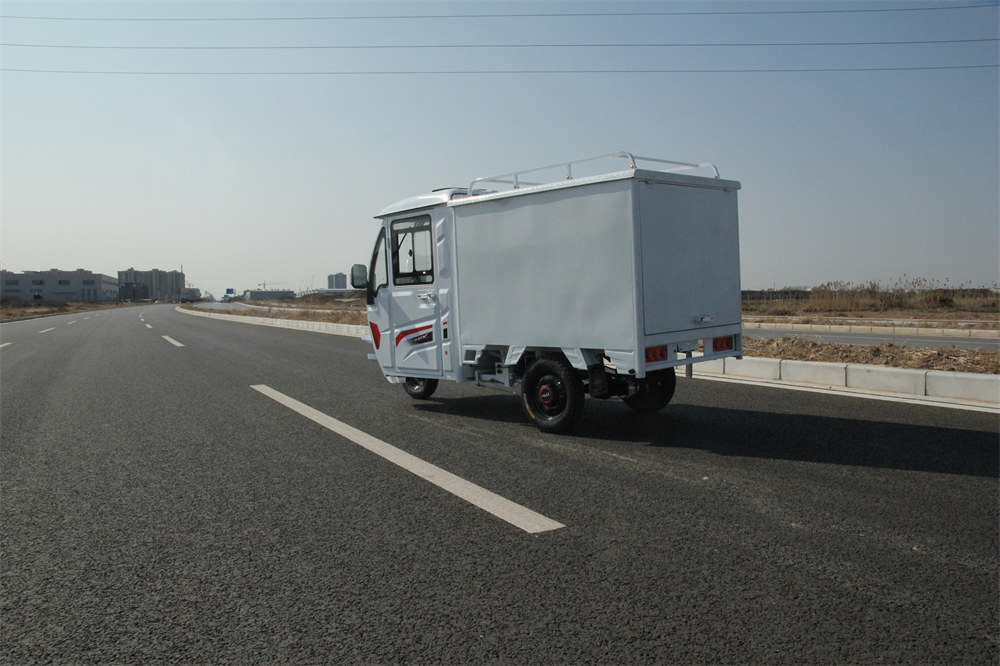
{"x": 22, "y": 310}
{"x": 916, "y": 358}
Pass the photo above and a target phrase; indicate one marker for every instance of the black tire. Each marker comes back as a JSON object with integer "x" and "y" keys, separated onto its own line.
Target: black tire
{"x": 552, "y": 395}
{"x": 418, "y": 388}
{"x": 654, "y": 392}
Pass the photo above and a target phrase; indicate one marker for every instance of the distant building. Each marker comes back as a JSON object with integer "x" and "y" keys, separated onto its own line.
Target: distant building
{"x": 154, "y": 285}
{"x": 56, "y": 285}
{"x": 133, "y": 291}
{"x": 336, "y": 281}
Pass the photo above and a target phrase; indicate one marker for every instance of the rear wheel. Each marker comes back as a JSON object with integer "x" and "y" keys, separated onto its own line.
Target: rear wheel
{"x": 420, "y": 388}
{"x": 552, "y": 395}
{"x": 654, "y": 392}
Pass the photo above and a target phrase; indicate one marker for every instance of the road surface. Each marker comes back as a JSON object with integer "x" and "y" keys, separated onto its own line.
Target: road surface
{"x": 183, "y": 489}
{"x": 902, "y": 340}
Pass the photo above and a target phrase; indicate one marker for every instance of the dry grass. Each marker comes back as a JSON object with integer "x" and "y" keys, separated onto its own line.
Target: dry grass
{"x": 332, "y": 309}
{"x": 906, "y": 302}
{"x": 895, "y": 356}
{"x": 910, "y": 299}
{"x": 15, "y": 310}
{"x": 349, "y": 300}
{"x": 347, "y": 315}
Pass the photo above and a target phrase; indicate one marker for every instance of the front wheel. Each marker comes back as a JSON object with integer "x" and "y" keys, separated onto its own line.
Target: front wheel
{"x": 552, "y": 395}
{"x": 654, "y": 392}
{"x": 420, "y": 389}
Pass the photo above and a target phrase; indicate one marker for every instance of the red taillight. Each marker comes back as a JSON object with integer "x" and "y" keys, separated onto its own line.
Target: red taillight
{"x": 656, "y": 354}
{"x": 376, "y": 336}
{"x": 722, "y": 344}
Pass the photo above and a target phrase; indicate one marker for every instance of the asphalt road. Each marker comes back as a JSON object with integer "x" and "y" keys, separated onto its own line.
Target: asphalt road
{"x": 157, "y": 507}
{"x": 934, "y": 341}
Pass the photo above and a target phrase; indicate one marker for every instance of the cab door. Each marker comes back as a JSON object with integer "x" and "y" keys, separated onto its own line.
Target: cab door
{"x": 414, "y": 308}
{"x": 379, "y": 304}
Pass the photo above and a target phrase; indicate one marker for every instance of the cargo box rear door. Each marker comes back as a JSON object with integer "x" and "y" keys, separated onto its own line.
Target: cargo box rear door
{"x": 690, "y": 257}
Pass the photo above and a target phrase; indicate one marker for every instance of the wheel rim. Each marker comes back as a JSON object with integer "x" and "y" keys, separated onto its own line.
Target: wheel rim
{"x": 550, "y": 396}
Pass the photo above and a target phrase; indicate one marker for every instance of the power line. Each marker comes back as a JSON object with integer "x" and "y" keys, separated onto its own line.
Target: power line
{"x": 499, "y": 16}
{"x": 506, "y": 71}
{"x": 500, "y": 46}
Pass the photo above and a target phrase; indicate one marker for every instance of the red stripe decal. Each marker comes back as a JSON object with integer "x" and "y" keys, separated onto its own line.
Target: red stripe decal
{"x": 403, "y": 334}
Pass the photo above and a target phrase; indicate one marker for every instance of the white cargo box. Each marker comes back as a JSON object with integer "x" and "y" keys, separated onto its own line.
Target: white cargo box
{"x": 596, "y": 285}
{"x": 621, "y": 261}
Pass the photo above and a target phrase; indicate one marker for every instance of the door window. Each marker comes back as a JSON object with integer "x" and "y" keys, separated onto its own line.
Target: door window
{"x": 412, "y": 255}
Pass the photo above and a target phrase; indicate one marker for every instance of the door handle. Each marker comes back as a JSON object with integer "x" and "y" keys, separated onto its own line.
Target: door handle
{"x": 427, "y": 296}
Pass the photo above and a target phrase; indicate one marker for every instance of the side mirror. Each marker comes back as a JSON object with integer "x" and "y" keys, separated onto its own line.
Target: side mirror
{"x": 359, "y": 276}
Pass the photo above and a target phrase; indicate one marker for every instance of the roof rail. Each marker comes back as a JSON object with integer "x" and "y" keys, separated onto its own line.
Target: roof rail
{"x": 514, "y": 177}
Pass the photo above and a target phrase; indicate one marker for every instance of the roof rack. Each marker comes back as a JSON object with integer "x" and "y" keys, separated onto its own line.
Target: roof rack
{"x": 515, "y": 177}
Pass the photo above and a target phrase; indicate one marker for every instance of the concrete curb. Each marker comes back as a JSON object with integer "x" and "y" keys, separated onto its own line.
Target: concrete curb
{"x": 952, "y": 385}
{"x": 880, "y": 330}
{"x": 350, "y": 330}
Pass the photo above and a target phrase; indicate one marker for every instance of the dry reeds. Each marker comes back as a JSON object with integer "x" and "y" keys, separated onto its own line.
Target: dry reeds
{"x": 903, "y": 294}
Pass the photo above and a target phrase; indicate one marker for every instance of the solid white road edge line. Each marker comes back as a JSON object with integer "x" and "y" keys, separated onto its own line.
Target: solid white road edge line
{"x": 172, "y": 341}
{"x": 502, "y": 508}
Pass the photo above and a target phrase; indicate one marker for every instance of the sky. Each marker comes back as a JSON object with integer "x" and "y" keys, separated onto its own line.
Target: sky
{"x": 251, "y": 143}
